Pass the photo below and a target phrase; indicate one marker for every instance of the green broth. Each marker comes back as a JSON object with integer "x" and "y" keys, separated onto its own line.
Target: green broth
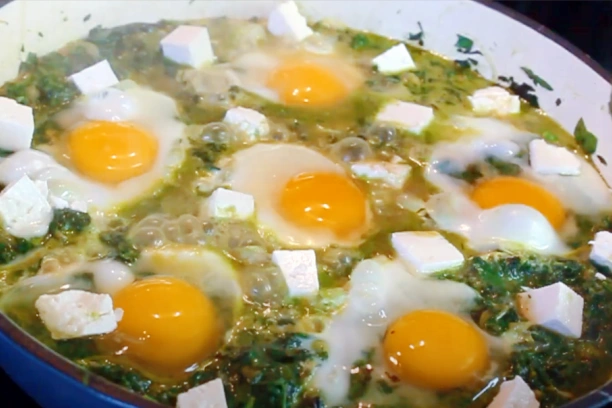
{"x": 269, "y": 360}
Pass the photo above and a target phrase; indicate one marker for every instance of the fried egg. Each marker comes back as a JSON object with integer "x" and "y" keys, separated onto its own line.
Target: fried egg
{"x": 301, "y": 197}
{"x": 526, "y": 211}
{"x": 168, "y": 325}
{"x": 117, "y": 146}
{"x": 297, "y": 78}
{"x": 406, "y": 321}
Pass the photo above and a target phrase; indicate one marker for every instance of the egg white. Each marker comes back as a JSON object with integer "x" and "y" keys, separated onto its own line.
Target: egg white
{"x": 506, "y": 227}
{"x": 151, "y": 111}
{"x": 381, "y": 291}
{"x": 263, "y": 170}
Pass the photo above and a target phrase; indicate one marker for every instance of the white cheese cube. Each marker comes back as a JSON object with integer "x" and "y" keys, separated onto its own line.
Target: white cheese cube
{"x": 556, "y": 307}
{"x": 248, "y": 121}
{"x": 495, "y": 99}
{"x": 24, "y": 209}
{"x": 392, "y": 174}
{"x": 426, "y": 251}
{"x": 600, "y": 276}
{"x": 224, "y": 203}
{"x": 395, "y": 59}
{"x": 601, "y": 249}
{"x": 76, "y": 313}
{"x": 189, "y": 45}
{"x": 545, "y": 158}
{"x": 208, "y": 395}
{"x": 16, "y": 125}
{"x": 299, "y": 269}
{"x": 406, "y": 115}
{"x": 514, "y": 394}
{"x": 96, "y": 78}
{"x": 286, "y": 20}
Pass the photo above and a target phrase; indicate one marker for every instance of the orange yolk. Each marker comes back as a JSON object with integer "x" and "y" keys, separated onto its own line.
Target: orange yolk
{"x": 305, "y": 83}
{"x": 435, "y": 350}
{"x": 167, "y": 324}
{"x": 324, "y": 200}
{"x": 111, "y": 152}
{"x": 512, "y": 190}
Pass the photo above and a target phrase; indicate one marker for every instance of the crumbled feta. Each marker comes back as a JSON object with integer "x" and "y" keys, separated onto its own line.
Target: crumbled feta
{"x": 299, "y": 268}
{"x": 514, "y": 394}
{"x": 286, "y": 20}
{"x": 556, "y": 307}
{"x": 392, "y": 174}
{"x": 545, "y": 158}
{"x": 426, "y": 251}
{"x": 406, "y": 115}
{"x": 207, "y": 395}
{"x": 16, "y": 125}
{"x": 24, "y": 210}
{"x": 395, "y": 59}
{"x": 601, "y": 249}
{"x": 224, "y": 203}
{"x": 495, "y": 99}
{"x": 95, "y": 78}
{"x": 248, "y": 121}
{"x": 188, "y": 45}
{"x": 76, "y": 313}
{"x": 600, "y": 276}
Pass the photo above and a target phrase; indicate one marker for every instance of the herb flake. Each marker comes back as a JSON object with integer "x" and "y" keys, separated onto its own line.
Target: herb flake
{"x": 585, "y": 139}
{"x": 537, "y": 80}
{"x": 418, "y": 36}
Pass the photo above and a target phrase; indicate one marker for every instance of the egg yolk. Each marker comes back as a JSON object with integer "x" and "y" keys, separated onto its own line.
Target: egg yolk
{"x": 167, "y": 324}
{"x": 513, "y": 190}
{"x": 435, "y": 350}
{"x": 111, "y": 152}
{"x": 327, "y": 200}
{"x": 305, "y": 83}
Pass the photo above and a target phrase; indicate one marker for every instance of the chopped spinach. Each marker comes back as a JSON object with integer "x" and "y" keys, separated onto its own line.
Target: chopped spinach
{"x": 67, "y": 222}
{"x": 361, "y": 376}
{"x": 209, "y": 154}
{"x": 464, "y": 45}
{"x": 585, "y": 139}
{"x": 525, "y": 91}
{"x": 121, "y": 247}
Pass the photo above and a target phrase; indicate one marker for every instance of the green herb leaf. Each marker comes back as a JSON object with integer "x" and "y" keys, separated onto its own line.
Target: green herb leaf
{"x": 464, "y": 44}
{"x": 504, "y": 167}
{"x": 537, "y": 80}
{"x": 550, "y": 136}
{"x": 418, "y": 36}
{"x": 586, "y": 139}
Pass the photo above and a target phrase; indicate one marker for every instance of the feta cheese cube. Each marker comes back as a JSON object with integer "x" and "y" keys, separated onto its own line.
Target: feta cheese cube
{"x": 189, "y": 45}
{"x": 207, "y": 395}
{"x": 514, "y": 394}
{"x": 248, "y": 121}
{"x": 299, "y": 268}
{"x": 224, "y": 203}
{"x": 556, "y": 307}
{"x": 24, "y": 210}
{"x": 601, "y": 249}
{"x": 426, "y": 251}
{"x": 406, "y": 115}
{"x": 600, "y": 276}
{"x": 95, "y": 78}
{"x": 392, "y": 174}
{"x": 286, "y": 20}
{"x": 16, "y": 125}
{"x": 395, "y": 59}
{"x": 545, "y": 158}
{"x": 76, "y": 313}
{"x": 495, "y": 99}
